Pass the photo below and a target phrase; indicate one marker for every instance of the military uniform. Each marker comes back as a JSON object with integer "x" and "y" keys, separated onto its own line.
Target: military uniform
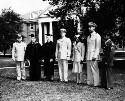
{"x": 107, "y": 62}
{"x": 18, "y": 52}
{"x": 93, "y": 49}
{"x": 63, "y": 49}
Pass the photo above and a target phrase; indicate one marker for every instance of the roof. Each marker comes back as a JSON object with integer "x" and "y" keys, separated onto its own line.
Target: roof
{"x": 31, "y": 15}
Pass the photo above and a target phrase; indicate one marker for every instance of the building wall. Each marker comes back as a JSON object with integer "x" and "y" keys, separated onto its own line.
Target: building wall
{"x": 27, "y": 31}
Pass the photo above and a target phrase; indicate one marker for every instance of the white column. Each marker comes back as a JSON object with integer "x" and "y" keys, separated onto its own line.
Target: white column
{"x": 78, "y": 27}
{"x": 45, "y": 32}
{"x": 51, "y": 30}
{"x": 40, "y": 33}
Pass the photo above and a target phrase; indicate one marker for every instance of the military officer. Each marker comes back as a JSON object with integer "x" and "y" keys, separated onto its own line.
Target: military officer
{"x": 48, "y": 50}
{"x": 63, "y": 51}
{"x": 34, "y": 55}
{"x": 18, "y": 52}
{"x": 92, "y": 56}
{"x": 107, "y": 63}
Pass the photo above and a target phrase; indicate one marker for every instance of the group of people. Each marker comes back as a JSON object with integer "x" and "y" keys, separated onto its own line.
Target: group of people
{"x": 61, "y": 51}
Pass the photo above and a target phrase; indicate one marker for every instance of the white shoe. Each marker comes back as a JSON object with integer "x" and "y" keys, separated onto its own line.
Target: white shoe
{"x": 18, "y": 78}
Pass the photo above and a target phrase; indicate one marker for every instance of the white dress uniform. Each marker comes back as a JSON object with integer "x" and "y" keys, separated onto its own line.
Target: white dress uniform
{"x": 63, "y": 49}
{"x": 93, "y": 49}
{"x": 78, "y": 56}
{"x": 18, "y": 52}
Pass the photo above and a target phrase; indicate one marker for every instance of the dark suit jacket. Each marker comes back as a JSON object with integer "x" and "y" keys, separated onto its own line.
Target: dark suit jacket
{"x": 109, "y": 51}
{"x": 48, "y": 50}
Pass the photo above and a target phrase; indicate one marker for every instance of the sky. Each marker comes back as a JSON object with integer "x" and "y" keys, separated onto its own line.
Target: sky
{"x": 22, "y": 6}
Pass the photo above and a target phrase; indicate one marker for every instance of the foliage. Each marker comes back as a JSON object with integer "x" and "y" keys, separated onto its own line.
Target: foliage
{"x": 103, "y": 12}
{"x": 10, "y": 26}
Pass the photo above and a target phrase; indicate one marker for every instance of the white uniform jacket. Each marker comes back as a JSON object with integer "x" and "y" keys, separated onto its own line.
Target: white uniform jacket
{"x": 78, "y": 52}
{"x": 93, "y": 46}
{"x": 18, "y": 51}
{"x": 63, "y": 48}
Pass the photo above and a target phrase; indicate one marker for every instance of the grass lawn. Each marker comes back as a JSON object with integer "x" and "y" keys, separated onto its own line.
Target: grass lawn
{"x": 6, "y": 62}
{"x": 13, "y": 90}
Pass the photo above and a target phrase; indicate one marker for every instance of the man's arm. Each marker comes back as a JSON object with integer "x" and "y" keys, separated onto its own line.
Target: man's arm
{"x": 83, "y": 51}
{"x": 97, "y": 46}
{"x": 13, "y": 52}
{"x": 69, "y": 48}
{"x": 57, "y": 49}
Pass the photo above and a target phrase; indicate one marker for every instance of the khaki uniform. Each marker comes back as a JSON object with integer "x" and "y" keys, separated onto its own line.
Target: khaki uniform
{"x": 18, "y": 52}
{"x": 93, "y": 49}
{"x": 63, "y": 49}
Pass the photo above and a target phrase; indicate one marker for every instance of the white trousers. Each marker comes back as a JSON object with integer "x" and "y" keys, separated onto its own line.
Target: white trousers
{"x": 63, "y": 69}
{"x": 92, "y": 73}
{"x": 20, "y": 70}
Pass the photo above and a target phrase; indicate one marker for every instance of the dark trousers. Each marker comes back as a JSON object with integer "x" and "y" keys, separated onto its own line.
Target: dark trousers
{"x": 35, "y": 70}
{"x": 106, "y": 76}
{"x": 48, "y": 69}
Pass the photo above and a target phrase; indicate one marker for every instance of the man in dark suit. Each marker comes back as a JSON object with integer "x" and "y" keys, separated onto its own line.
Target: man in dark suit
{"x": 34, "y": 55}
{"x": 48, "y": 50}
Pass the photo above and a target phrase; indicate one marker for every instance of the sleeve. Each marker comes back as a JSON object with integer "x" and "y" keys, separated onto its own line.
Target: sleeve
{"x": 40, "y": 51}
{"x": 57, "y": 49}
{"x": 73, "y": 53}
{"x": 97, "y": 46}
{"x": 69, "y": 47}
{"x": 53, "y": 49}
{"x": 27, "y": 52}
{"x": 82, "y": 51}
{"x": 24, "y": 46}
{"x": 13, "y": 52}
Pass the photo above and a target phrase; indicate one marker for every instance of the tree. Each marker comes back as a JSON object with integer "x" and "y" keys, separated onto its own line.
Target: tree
{"x": 10, "y": 26}
{"x": 103, "y": 12}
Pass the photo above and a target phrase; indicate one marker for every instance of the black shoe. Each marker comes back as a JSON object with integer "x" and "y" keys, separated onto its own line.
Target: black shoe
{"x": 48, "y": 79}
{"x": 77, "y": 83}
{"x": 65, "y": 81}
{"x": 97, "y": 86}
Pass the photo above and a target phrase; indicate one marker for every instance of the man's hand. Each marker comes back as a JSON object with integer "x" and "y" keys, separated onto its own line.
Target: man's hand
{"x": 93, "y": 59}
{"x": 56, "y": 59}
{"x": 51, "y": 60}
{"x": 42, "y": 60}
{"x": 68, "y": 57}
{"x": 13, "y": 59}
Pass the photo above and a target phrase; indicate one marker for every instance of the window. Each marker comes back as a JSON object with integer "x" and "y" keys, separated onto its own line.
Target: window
{"x": 31, "y": 26}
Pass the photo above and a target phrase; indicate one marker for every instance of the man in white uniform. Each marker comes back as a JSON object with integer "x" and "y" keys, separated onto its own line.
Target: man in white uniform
{"x": 18, "y": 52}
{"x": 63, "y": 52}
{"x": 92, "y": 56}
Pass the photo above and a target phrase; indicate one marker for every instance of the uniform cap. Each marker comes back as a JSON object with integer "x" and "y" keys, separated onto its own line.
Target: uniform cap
{"x": 19, "y": 36}
{"x": 92, "y": 24}
{"x": 48, "y": 34}
{"x": 32, "y": 35}
{"x": 63, "y": 30}
{"x": 77, "y": 35}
